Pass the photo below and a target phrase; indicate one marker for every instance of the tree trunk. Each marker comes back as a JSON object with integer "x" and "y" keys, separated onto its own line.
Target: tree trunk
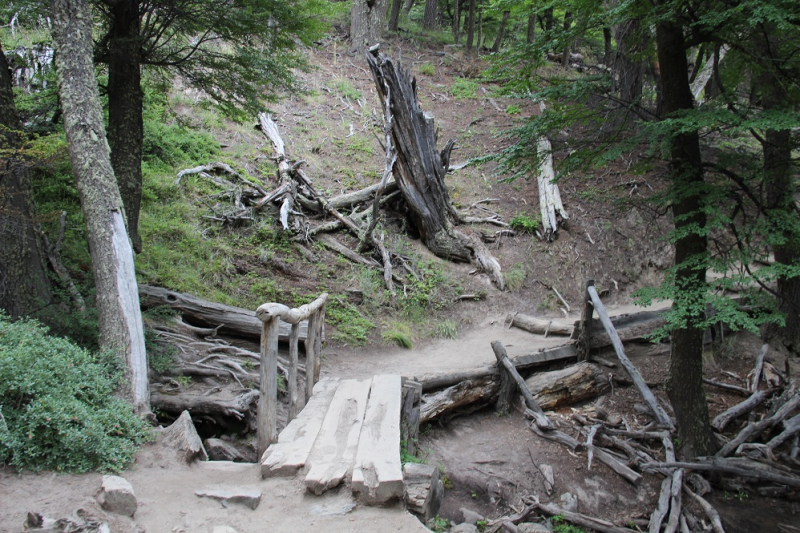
{"x": 479, "y": 21}
{"x": 568, "y": 45}
{"x": 608, "y": 51}
{"x": 394, "y": 15}
{"x": 530, "y": 37}
{"x": 548, "y": 19}
{"x": 456, "y": 20}
{"x": 431, "y": 19}
{"x": 628, "y": 68}
{"x": 368, "y": 20}
{"x": 23, "y": 279}
{"x": 408, "y": 6}
{"x": 471, "y": 25}
{"x": 125, "y": 102}
{"x": 120, "y": 319}
{"x": 779, "y": 181}
{"x": 684, "y": 381}
{"x": 501, "y": 31}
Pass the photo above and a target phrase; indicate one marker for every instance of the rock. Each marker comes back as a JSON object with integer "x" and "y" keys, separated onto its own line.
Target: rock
{"x": 568, "y": 502}
{"x": 471, "y": 517}
{"x": 465, "y": 528}
{"x": 424, "y": 490}
{"x": 224, "y": 529}
{"x": 183, "y": 438}
{"x": 530, "y": 527}
{"x": 247, "y": 496}
{"x": 117, "y": 496}
{"x": 222, "y": 450}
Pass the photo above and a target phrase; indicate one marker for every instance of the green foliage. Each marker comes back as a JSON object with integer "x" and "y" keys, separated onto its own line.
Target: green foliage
{"x": 447, "y": 329}
{"x": 513, "y": 109}
{"x": 464, "y": 88}
{"x": 524, "y": 223}
{"x": 562, "y": 526}
{"x": 346, "y": 89}
{"x": 59, "y": 406}
{"x": 399, "y": 334}
{"x": 406, "y": 457}
{"x": 426, "y": 69}
{"x": 515, "y": 277}
{"x": 438, "y": 524}
{"x": 352, "y": 327}
{"x": 431, "y": 288}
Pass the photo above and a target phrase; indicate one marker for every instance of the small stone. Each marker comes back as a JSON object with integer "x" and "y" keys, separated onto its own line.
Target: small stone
{"x": 247, "y": 496}
{"x": 182, "y": 437}
{"x": 471, "y": 517}
{"x": 531, "y": 527}
{"x": 568, "y": 502}
{"x": 117, "y": 496}
{"x": 465, "y": 528}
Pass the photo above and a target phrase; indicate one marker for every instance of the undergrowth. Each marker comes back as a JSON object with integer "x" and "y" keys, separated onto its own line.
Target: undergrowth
{"x": 58, "y": 409}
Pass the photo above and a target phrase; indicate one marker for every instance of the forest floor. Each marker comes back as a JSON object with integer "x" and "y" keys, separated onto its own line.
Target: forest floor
{"x": 613, "y": 236}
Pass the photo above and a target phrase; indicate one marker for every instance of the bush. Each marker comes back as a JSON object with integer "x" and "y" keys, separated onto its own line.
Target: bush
{"x": 526, "y": 224}
{"x": 57, "y": 405}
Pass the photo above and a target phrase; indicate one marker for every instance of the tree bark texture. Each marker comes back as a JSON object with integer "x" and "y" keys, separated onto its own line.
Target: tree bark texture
{"x": 431, "y": 19}
{"x": 779, "y": 180}
{"x": 530, "y": 34}
{"x": 471, "y": 25}
{"x": 568, "y": 46}
{"x": 498, "y": 40}
{"x": 367, "y": 22}
{"x": 125, "y": 104}
{"x": 420, "y": 169}
{"x": 684, "y": 381}
{"x": 23, "y": 279}
{"x": 628, "y": 68}
{"x": 456, "y": 21}
{"x": 120, "y": 319}
{"x": 394, "y": 15}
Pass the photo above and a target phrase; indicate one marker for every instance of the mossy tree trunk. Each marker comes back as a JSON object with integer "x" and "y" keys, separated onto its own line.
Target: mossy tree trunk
{"x": 23, "y": 279}
{"x": 685, "y": 378}
{"x": 120, "y": 318}
{"x": 125, "y": 104}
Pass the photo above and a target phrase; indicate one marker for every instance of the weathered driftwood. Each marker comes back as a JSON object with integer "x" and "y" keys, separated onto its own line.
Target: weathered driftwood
{"x": 410, "y": 414}
{"x": 549, "y": 196}
{"x": 735, "y": 466}
{"x": 755, "y": 428}
{"x": 539, "y": 326}
{"x": 580, "y": 519}
{"x": 569, "y": 385}
{"x": 465, "y": 393}
{"x": 233, "y": 320}
{"x": 633, "y": 372}
{"x": 420, "y": 169}
{"x": 508, "y": 371}
{"x": 220, "y": 407}
{"x": 424, "y": 490}
{"x": 182, "y": 436}
{"x": 728, "y": 386}
{"x": 723, "y": 419}
{"x": 759, "y": 367}
{"x": 711, "y": 513}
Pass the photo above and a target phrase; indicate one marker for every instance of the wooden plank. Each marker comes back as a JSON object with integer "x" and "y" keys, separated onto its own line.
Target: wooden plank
{"x": 336, "y": 445}
{"x": 268, "y": 386}
{"x": 291, "y": 452}
{"x": 378, "y": 475}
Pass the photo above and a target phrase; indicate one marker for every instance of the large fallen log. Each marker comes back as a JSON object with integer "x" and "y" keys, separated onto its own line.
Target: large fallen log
{"x": 223, "y": 409}
{"x": 233, "y": 320}
{"x": 461, "y": 395}
{"x": 567, "y": 386}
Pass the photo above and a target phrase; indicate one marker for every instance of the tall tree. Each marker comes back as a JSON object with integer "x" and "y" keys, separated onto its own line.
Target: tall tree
{"x": 24, "y": 287}
{"x": 471, "y": 24}
{"x": 394, "y": 15}
{"x": 685, "y": 378}
{"x": 430, "y": 21}
{"x": 501, "y": 31}
{"x": 367, "y": 23}
{"x": 119, "y": 316}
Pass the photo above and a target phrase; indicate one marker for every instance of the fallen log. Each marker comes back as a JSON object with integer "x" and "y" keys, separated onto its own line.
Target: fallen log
{"x": 580, "y": 519}
{"x": 740, "y": 467}
{"x": 230, "y": 319}
{"x": 461, "y": 395}
{"x": 723, "y": 419}
{"x": 539, "y": 326}
{"x": 568, "y": 386}
{"x": 221, "y": 408}
{"x": 508, "y": 371}
{"x": 631, "y": 327}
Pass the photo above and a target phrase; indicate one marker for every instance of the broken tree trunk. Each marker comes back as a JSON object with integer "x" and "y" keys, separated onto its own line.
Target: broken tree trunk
{"x": 420, "y": 170}
{"x": 507, "y": 371}
{"x": 549, "y": 196}
{"x": 466, "y": 393}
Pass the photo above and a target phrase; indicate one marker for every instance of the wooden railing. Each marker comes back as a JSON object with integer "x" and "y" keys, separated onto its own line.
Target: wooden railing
{"x": 271, "y": 314}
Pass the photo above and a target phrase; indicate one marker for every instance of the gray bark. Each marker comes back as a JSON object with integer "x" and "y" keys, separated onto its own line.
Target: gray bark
{"x": 394, "y": 15}
{"x": 367, "y": 22}
{"x": 120, "y": 319}
{"x": 431, "y": 18}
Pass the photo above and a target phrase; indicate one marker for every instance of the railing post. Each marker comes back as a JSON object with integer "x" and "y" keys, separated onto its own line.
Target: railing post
{"x": 294, "y": 403}
{"x": 585, "y": 337}
{"x": 268, "y": 374}
{"x": 311, "y": 355}
{"x": 318, "y": 342}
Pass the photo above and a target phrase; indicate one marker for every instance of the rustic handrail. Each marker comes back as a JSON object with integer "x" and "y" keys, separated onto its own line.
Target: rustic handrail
{"x": 271, "y": 314}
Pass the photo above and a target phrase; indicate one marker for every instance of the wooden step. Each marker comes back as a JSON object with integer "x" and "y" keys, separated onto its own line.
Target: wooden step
{"x": 378, "y": 475}
{"x": 295, "y": 442}
{"x": 334, "y": 451}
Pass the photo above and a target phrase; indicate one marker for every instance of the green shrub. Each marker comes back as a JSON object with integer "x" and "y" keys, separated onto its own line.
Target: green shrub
{"x": 525, "y": 223}
{"x": 513, "y": 109}
{"x": 399, "y": 334}
{"x": 427, "y": 69}
{"x": 447, "y": 329}
{"x": 464, "y": 88}
{"x": 515, "y": 277}
{"x": 58, "y": 406}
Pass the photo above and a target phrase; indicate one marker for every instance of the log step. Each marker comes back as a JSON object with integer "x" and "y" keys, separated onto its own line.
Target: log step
{"x": 378, "y": 475}
{"x": 335, "y": 449}
{"x": 295, "y": 442}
